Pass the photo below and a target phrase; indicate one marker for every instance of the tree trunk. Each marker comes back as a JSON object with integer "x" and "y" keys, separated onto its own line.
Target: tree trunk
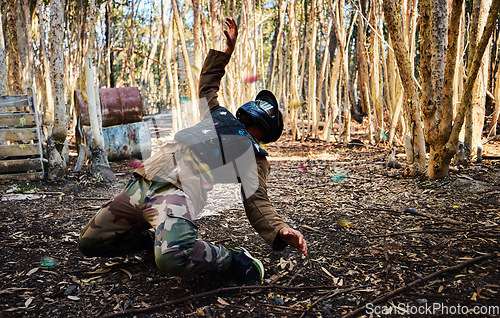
{"x": 27, "y": 41}
{"x": 49, "y": 100}
{"x": 14, "y": 78}
{"x": 277, "y": 53}
{"x": 496, "y": 111}
{"x": 216, "y": 14}
{"x": 338, "y": 22}
{"x": 110, "y": 81}
{"x": 476, "y": 113}
{"x": 198, "y": 51}
{"x": 131, "y": 52}
{"x": 363, "y": 77}
{"x": 441, "y": 160}
{"x": 192, "y": 86}
{"x": 3, "y": 62}
{"x": 412, "y": 106}
{"x": 295, "y": 104}
{"x": 311, "y": 70}
{"x": 172, "y": 77}
{"x": 376, "y": 58}
{"x": 57, "y": 165}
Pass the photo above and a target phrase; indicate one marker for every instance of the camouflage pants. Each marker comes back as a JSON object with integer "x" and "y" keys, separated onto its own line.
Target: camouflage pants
{"x": 124, "y": 224}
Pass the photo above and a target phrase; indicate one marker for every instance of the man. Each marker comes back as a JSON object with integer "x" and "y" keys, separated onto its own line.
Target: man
{"x": 171, "y": 187}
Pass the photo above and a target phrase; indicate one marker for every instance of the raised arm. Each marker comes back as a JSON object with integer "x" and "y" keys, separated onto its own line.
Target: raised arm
{"x": 214, "y": 68}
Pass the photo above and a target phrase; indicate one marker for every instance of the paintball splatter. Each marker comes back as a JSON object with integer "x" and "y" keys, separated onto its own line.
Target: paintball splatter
{"x": 295, "y": 104}
{"x": 302, "y": 168}
{"x": 383, "y": 135}
{"x": 339, "y": 177}
{"x": 251, "y": 79}
{"x": 134, "y": 163}
{"x": 343, "y": 223}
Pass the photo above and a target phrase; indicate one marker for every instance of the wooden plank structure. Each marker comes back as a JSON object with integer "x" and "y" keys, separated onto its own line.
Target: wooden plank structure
{"x": 21, "y": 155}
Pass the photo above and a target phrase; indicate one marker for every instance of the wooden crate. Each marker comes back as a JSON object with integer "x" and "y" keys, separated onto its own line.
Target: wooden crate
{"x": 21, "y": 156}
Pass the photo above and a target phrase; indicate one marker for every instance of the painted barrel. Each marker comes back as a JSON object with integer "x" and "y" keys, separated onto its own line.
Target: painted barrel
{"x": 124, "y": 141}
{"x": 119, "y": 105}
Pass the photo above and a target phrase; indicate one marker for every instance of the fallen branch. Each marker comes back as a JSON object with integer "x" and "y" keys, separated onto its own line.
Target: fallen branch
{"x": 89, "y": 198}
{"x": 419, "y": 281}
{"x": 421, "y": 231}
{"x": 432, "y": 216}
{"x": 215, "y": 292}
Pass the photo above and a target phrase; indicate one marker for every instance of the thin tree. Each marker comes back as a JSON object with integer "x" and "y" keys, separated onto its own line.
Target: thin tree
{"x": 192, "y": 86}
{"x": 48, "y": 101}
{"x": 3, "y": 62}
{"x": 14, "y": 78}
{"x": 363, "y": 77}
{"x": 295, "y": 104}
{"x": 55, "y": 143}
{"x": 476, "y": 113}
{"x": 411, "y": 105}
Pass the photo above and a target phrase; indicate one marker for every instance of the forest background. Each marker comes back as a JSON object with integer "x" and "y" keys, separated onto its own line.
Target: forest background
{"x": 423, "y": 74}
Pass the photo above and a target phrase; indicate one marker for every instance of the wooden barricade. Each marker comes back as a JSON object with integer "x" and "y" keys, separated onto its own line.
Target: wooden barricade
{"x": 21, "y": 156}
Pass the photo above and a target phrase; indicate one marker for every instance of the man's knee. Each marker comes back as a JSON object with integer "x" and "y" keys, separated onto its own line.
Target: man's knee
{"x": 172, "y": 263}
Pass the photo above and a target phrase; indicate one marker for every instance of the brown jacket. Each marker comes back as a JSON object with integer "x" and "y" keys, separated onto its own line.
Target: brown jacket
{"x": 177, "y": 164}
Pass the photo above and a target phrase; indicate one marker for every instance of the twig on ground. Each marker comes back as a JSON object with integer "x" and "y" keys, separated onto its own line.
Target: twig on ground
{"x": 402, "y": 289}
{"x": 214, "y": 292}
{"x": 387, "y": 266}
{"x": 293, "y": 277}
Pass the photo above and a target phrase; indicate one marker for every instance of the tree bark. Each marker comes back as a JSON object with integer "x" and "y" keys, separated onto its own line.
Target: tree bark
{"x": 476, "y": 114}
{"x": 15, "y": 78}
{"x": 27, "y": 39}
{"x": 375, "y": 70}
{"x": 131, "y": 54}
{"x": 3, "y": 62}
{"x": 49, "y": 100}
{"x": 311, "y": 83}
{"x": 110, "y": 80}
{"x": 363, "y": 77}
{"x": 57, "y": 165}
{"x": 295, "y": 103}
{"x": 496, "y": 112}
{"x": 451, "y": 146}
{"x": 198, "y": 51}
{"x": 192, "y": 86}
{"x": 277, "y": 52}
{"x": 338, "y": 22}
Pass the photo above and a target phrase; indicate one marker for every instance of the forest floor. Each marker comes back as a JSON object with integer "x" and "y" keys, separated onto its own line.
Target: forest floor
{"x": 350, "y": 207}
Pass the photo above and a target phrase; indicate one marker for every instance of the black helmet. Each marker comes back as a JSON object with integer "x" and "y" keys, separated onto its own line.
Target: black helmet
{"x": 265, "y": 114}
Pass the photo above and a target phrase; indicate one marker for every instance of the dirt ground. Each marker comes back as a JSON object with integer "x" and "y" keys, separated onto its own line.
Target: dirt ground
{"x": 349, "y": 206}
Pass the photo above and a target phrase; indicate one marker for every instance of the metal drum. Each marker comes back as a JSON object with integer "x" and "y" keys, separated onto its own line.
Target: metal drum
{"x": 119, "y": 106}
{"x": 124, "y": 141}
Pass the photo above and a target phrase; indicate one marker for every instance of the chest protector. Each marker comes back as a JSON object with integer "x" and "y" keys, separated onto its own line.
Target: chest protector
{"x": 219, "y": 139}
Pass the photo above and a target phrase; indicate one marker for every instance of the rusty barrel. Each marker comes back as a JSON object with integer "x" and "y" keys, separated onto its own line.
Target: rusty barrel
{"x": 124, "y": 141}
{"x": 120, "y": 105}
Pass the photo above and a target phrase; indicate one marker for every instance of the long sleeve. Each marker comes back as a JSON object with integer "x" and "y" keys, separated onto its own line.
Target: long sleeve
{"x": 211, "y": 74}
{"x": 261, "y": 212}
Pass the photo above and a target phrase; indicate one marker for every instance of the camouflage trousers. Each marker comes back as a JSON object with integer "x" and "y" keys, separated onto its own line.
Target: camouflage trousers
{"x": 147, "y": 214}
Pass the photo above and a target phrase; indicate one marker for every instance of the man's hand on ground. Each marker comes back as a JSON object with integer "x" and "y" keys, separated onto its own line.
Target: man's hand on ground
{"x": 294, "y": 238}
{"x": 231, "y": 35}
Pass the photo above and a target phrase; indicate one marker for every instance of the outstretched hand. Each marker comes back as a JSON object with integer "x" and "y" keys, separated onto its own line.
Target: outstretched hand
{"x": 231, "y": 35}
{"x": 294, "y": 238}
